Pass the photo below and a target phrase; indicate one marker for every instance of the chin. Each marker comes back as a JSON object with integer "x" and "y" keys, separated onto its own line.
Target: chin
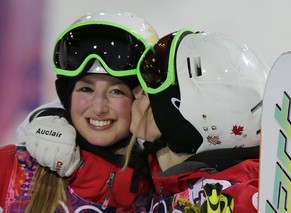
{"x": 100, "y": 142}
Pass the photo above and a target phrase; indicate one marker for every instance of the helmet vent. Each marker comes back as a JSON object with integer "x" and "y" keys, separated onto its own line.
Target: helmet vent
{"x": 189, "y": 67}
{"x": 197, "y": 67}
{"x": 255, "y": 108}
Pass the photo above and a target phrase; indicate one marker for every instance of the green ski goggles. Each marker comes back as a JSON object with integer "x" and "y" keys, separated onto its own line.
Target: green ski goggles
{"x": 157, "y": 66}
{"x": 118, "y": 49}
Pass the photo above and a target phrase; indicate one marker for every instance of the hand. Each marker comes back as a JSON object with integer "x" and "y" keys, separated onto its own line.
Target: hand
{"x": 53, "y": 108}
{"x": 51, "y": 141}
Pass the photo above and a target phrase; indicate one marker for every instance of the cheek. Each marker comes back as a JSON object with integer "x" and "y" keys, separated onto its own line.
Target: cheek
{"x": 123, "y": 109}
{"x": 78, "y": 105}
{"x": 151, "y": 130}
{"x": 137, "y": 110}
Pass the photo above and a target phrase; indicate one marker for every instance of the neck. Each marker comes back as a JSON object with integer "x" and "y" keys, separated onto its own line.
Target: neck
{"x": 168, "y": 158}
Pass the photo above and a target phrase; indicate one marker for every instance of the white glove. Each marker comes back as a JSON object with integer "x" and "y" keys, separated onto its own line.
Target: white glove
{"x": 21, "y": 131}
{"x": 51, "y": 140}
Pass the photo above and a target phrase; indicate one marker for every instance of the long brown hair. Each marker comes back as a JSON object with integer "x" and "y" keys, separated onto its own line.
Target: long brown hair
{"x": 134, "y": 137}
{"x": 48, "y": 191}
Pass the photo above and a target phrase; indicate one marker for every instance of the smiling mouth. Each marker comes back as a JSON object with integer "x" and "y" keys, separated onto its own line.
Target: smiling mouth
{"x": 99, "y": 123}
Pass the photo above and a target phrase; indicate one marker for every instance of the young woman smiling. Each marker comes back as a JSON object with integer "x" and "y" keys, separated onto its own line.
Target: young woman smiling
{"x": 95, "y": 60}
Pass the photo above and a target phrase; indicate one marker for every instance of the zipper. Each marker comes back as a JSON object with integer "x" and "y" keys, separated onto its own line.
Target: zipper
{"x": 109, "y": 184}
{"x": 161, "y": 193}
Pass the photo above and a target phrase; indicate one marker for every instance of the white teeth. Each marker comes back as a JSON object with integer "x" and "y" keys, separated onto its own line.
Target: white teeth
{"x": 99, "y": 123}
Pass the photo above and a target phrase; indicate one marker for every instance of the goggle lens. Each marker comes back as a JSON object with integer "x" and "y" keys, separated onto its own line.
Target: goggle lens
{"x": 153, "y": 71}
{"x": 154, "y": 67}
{"x": 156, "y": 70}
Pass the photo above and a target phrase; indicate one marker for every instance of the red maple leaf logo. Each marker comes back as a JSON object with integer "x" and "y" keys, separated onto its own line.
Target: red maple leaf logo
{"x": 237, "y": 130}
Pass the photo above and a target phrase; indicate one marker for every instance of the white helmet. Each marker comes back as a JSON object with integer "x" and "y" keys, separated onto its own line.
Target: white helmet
{"x": 214, "y": 81}
{"x": 223, "y": 97}
{"x": 101, "y": 35}
{"x": 126, "y": 19}
{"x": 101, "y": 42}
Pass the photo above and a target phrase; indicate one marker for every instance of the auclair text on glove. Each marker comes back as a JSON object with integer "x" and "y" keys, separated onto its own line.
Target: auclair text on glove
{"x": 48, "y": 132}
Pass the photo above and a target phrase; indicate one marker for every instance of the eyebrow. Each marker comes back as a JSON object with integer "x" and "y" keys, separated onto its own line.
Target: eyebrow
{"x": 111, "y": 82}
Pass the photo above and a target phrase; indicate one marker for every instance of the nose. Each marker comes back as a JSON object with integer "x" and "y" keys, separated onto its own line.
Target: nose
{"x": 137, "y": 92}
{"x": 100, "y": 104}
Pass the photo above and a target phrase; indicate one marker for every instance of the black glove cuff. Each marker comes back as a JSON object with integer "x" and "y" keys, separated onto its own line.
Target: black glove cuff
{"x": 50, "y": 111}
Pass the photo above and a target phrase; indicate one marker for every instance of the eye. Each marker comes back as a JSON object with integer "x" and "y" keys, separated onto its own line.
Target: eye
{"x": 85, "y": 89}
{"x": 117, "y": 92}
{"x": 84, "y": 86}
{"x": 120, "y": 90}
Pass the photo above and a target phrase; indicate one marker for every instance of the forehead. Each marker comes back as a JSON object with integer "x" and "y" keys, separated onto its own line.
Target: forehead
{"x": 93, "y": 78}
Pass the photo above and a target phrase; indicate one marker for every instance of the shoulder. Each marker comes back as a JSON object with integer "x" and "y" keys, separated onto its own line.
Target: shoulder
{"x": 7, "y": 151}
{"x": 242, "y": 172}
{"x": 16, "y": 164}
{"x": 11, "y": 152}
{"x": 7, "y": 161}
{"x": 15, "y": 154}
